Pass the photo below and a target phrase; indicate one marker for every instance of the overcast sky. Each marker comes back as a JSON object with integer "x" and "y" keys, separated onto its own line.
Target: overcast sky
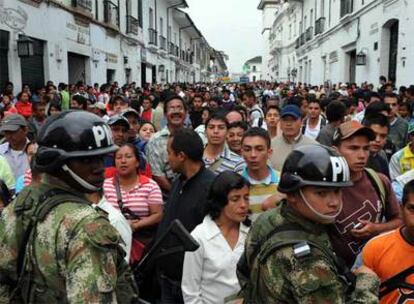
{"x": 233, "y": 26}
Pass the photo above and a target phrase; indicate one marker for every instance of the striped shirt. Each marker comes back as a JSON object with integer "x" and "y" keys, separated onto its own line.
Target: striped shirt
{"x": 138, "y": 199}
{"x": 260, "y": 190}
{"x": 227, "y": 160}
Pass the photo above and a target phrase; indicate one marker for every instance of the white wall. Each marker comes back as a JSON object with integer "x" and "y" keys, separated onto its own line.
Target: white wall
{"x": 328, "y": 53}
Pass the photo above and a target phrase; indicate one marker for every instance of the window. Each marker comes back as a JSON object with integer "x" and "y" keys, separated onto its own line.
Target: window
{"x": 311, "y": 17}
{"x": 140, "y": 13}
{"x": 161, "y": 26}
{"x": 151, "y": 18}
{"x": 290, "y": 31}
{"x": 254, "y": 68}
{"x": 347, "y": 7}
{"x": 169, "y": 33}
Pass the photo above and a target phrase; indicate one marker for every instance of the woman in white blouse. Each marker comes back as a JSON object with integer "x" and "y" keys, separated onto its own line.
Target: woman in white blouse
{"x": 209, "y": 273}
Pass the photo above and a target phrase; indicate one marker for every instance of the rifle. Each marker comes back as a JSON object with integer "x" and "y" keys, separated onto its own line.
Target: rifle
{"x": 163, "y": 247}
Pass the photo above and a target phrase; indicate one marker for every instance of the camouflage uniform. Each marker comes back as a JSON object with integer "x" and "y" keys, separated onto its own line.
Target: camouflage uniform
{"x": 75, "y": 255}
{"x": 286, "y": 278}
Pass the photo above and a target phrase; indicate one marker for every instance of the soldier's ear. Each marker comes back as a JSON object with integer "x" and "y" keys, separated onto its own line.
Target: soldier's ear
{"x": 292, "y": 198}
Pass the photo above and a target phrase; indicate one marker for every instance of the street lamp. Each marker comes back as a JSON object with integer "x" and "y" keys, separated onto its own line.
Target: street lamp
{"x": 25, "y": 46}
{"x": 361, "y": 58}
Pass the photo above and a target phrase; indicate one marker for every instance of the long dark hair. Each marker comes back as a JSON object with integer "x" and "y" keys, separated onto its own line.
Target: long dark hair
{"x": 219, "y": 191}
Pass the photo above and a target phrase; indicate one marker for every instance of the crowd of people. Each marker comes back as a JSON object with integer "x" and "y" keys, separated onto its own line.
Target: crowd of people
{"x": 232, "y": 162}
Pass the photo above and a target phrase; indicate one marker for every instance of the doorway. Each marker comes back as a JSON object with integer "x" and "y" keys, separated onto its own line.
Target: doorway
{"x": 143, "y": 74}
{"x": 32, "y": 67}
{"x": 76, "y": 68}
{"x": 392, "y": 67}
{"x": 154, "y": 74}
{"x": 110, "y": 76}
{"x": 352, "y": 65}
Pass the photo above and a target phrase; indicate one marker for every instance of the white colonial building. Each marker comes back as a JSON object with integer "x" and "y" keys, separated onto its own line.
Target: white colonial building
{"x": 317, "y": 41}
{"x": 253, "y": 68}
{"x": 100, "y": 41}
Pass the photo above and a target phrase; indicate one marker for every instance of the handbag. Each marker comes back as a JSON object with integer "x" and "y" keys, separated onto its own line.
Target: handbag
{"x": 140, "y": 239}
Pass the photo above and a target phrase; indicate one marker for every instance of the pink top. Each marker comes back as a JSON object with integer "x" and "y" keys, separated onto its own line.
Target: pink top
{"x": 138, "y": 199}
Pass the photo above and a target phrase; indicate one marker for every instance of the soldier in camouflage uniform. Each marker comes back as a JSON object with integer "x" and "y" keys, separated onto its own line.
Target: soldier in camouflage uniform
{"x": 55, "y": 247}
{"x": 288, "y": 256}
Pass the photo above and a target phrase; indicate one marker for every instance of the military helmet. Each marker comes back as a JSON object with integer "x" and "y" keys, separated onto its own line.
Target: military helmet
{"x": 71, "y": 134}
{"x": 314, "y": 165}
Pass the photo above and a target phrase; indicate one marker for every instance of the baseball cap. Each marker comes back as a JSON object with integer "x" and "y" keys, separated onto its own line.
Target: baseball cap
{"x": 118, "y": 120}
{"x": 352, "y": 128}
{"x": 98, "y": 105}
{"x": 12, "y": 123}
{"x": 410, "y": 128}
{"x": 291, "y": 110}
{"x": 130, "y": 111}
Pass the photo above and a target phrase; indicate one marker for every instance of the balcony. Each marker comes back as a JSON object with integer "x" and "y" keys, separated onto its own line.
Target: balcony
{"x": 111, "y": 13}
{"x": 276, "y": 44}
{"x": 320, "y": 25}
{"x": 302, "y": 39}
{"x": 163, "y": 43}
{"x": 131, "y": 25}
{"x": 171, "y": 48}
{"x": 83, "y": 4}
{"x": 152, "y": 34}
{"x": 309, "y": 33}
{"x": 297, "y": 43}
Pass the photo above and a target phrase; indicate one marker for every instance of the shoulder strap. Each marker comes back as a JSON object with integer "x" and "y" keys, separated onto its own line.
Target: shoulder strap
{"x": 378, "y": 185}
{"x": 47, "y": 202}
{"x": 260, "y": 122}
{"x": 257, "y": 247}
{"x": 343, "y": 272}
{"x": 118, "y": 193}
{"x": 397, "y": 281}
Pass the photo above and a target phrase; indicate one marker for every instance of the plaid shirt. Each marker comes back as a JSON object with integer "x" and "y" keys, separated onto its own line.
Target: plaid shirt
{"x": 229, "y": 161}
{"x": 157, "y": 156}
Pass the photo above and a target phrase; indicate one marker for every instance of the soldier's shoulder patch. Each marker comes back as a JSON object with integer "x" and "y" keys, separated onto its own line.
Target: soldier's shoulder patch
{"x": 101, "y": 233}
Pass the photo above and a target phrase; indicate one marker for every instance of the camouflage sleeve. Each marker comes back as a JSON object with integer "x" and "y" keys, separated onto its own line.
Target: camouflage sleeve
{"x": 366, "y": 289}
{"x": 303, "y": 280}
{"x": 92, "y": 264}
{"x": 8, "y": 252}
{"x": 312, "y": 280}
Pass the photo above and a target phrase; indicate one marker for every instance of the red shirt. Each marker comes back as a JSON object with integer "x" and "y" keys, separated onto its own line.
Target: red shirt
{"x": 147, "y": 115}
{"x": 24, "y": 108}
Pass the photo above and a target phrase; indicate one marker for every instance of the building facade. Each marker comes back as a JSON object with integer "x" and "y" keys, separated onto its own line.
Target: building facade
{"x": 318, "y": 41}
{"x": 101, "y": 41}
{"x": 253, "y": 68}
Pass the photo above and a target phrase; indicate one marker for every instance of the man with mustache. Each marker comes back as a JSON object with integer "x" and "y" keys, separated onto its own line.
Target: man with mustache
{"x": 370, "y": 199}
{"x": 175, "y": 112}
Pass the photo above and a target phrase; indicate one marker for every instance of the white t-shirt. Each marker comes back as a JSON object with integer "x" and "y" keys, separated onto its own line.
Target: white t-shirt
{"x": 313, "y": 132}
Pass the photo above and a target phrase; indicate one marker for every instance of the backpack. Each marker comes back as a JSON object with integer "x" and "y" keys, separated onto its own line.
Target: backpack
{"x": 280, "y": 237}
{"x": 379, "y": 187}
{"x": 28, "y": 215}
